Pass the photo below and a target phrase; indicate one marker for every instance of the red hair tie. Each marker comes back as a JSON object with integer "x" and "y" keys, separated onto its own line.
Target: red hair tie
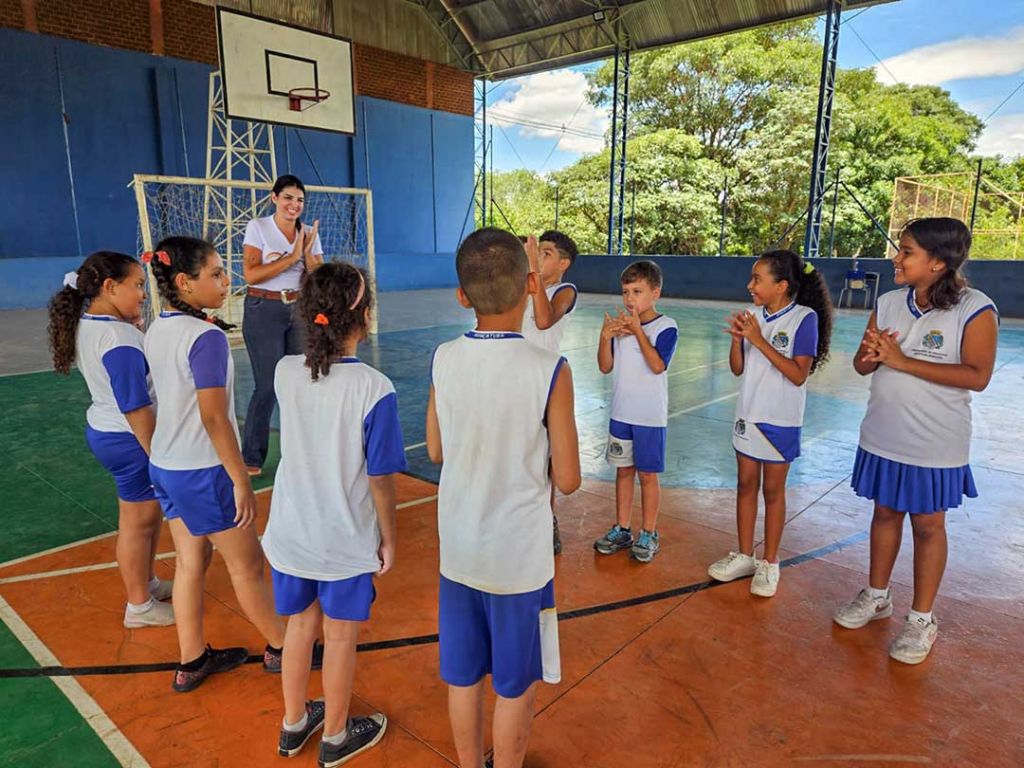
{"x": 162, "y": 256}
{"x": 321, "y": 319}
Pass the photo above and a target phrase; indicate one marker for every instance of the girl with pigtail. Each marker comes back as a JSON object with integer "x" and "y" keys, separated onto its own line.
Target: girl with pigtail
{"x": 92, "y": 326}
{"x": 776, "y": 345}
{"x": 196, "y": 465}
{"x": 332, "y": 518}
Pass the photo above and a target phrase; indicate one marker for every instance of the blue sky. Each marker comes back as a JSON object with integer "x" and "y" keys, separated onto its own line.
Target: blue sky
{"x": 972, "y": 48}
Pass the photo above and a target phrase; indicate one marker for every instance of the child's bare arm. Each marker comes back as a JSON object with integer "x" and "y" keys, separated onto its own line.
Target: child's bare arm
{"x": 382, "y": 489}
{"x": 433, "y": 431}
{"x": 213, "y": 410}
{"x": 547, "y": 312}
{"x": 565, "y": 448}
{"x": 860, "y": 364}
{"x": 143, "y": 423}
{"x": 609, "y": 330}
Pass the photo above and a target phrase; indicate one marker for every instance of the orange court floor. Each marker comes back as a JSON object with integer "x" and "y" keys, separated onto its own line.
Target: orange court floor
{"x": 659, "y": 666}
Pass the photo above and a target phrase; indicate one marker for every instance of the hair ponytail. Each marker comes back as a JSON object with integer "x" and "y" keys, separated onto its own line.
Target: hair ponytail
{"x": 333, "y": 304}
{"x": 949, "y": 241}
{"x": 68, "y": 304}
{"x": 185, "y": 255}
{"x": 805, "y": 286}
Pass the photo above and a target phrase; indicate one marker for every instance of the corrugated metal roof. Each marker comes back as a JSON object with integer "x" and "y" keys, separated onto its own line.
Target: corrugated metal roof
{"x": 507, "y": 38}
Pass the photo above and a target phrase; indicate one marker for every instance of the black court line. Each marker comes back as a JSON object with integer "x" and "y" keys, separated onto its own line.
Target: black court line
{"x": 407, "y": 642}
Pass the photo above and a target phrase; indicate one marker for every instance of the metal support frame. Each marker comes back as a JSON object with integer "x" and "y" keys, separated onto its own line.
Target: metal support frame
{"x": 619, "y": 137}
{"x": 823, "y": 129}
{"x": 236, "y": 150}
{"x": 481, "y": 148}
{"x": 454, "y": 36}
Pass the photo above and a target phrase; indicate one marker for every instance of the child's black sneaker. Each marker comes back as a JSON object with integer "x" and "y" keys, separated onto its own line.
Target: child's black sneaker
{"x": 272, "y": 658}
{"x": 188, "y": 677}
{"x": 291, "y": 742}
{"x": 363, "y": 733}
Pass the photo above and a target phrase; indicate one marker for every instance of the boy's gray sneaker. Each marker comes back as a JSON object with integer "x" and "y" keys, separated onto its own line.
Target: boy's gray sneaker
{"x": 291, "y": 743}
{"x": 646, "y": 546}
{"x": 363, "y": 733}
{"x": 617, "y": 538}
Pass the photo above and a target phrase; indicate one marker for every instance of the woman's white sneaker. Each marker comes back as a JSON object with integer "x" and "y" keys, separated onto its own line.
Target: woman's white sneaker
{"x": 913, "y": 644}
{"x": 733, "y": 566}
{"x": 864, "y": 609}
{"x": 766, "y": 579}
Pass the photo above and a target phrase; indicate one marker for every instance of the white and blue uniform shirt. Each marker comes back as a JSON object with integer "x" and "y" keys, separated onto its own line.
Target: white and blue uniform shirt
{"x": 550, "y": 338}
{"x": 186, "y": 354}
{"x": 639, "y": 395}
{"x": 910, "y": 420}
{"x": 491, "y": 394}
{"x": 336, "y": 432}
{"x": 109, "y": 355}
{"x": 770, "y": 408}
{"x": 263, "y": 233}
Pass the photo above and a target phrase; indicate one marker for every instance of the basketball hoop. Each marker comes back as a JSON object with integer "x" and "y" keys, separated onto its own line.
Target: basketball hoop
{"x": 296, "y": 97}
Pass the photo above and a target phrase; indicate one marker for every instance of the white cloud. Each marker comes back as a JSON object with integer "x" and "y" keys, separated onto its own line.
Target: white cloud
{"x": 557, "y": 99}
{"x": 1004, "y": 135}
{"x": 966, "y": 58}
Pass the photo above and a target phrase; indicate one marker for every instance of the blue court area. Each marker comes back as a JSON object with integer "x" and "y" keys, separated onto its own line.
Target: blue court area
{"x": 702, "y": 390}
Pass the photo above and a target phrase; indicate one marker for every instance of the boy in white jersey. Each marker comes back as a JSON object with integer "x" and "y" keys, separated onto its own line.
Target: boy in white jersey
{"x": 928, "y": 345}
{"x": 500, "y": 418}
{"x": 548, "y": 310}
{"x": 636, "y": 347}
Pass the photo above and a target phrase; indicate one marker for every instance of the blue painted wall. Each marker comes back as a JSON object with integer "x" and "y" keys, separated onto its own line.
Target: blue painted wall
{"x": 725, "y": 278}
{"x": 126, "y": 112}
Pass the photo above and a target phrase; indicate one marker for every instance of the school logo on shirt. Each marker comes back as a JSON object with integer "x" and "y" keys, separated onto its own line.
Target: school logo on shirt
{"x": 741, "y": 427}
{"x": 780, "y": 340}
{"x": 932, "y": 340}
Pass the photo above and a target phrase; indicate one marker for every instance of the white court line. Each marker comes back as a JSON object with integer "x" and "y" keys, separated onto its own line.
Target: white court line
{"x": 61, "y": 548}
{"x": 703, "y": 405}
{"x": 122, "y": 749}
{"x": 712, "y": 364}
{"x": 162, "y": 556}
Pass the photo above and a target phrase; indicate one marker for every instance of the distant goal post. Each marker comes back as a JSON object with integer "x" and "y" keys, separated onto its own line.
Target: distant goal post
{"x": 217, "y": 210}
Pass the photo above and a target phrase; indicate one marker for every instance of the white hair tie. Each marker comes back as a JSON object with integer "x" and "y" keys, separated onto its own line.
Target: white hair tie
{"x": 362, "y": 289}
{"x": 71, "y": 280}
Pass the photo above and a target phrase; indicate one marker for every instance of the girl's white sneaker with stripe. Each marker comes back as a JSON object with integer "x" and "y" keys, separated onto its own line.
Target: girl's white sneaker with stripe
{"x": 913, "y": 644}
{"x": 733, "y": 566}
{"x": 766, "y": 579}
{"x": 864, "y": 609}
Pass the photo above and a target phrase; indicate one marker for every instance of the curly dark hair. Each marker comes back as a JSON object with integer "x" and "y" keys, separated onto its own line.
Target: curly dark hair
{"x": 330, "y": 293}
{"x": 188, "y": 255}
{"x": 949, "y": 241}
{"x": 565, "y": 244}
{"x": 806, "y": 286}
{"x": 67, "y": 304}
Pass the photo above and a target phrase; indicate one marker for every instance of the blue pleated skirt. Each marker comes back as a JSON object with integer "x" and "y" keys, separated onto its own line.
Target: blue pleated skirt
{"x": 906, "y": 488}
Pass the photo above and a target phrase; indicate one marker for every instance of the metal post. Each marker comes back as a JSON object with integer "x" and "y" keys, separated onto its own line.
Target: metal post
{"x": 483, "y": 162}
{"x": 723, "y": 199}
{"x": 614, "y": 142}
{"x": 491, "y": 154}
{"x": 632, "y": 216}
{"x": 623, "y": 142}
{"x": 832, "y": 228}
{"x": 977, "y": 188}
{"x": 823, "y": 129}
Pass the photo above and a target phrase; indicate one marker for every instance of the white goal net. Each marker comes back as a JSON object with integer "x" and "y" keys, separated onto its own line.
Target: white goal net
{"x": 217, "y": 210}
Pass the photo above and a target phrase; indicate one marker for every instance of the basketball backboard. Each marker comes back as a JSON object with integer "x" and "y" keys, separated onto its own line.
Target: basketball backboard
{"x": 262, "y": 61}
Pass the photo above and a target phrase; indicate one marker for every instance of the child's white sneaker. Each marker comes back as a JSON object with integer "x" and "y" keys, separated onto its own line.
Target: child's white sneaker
{"x": 162, "y": 590}
{"x": 733, "y": 566}
{"x": 864, "y": 609}
{"x": 157, "y": 614}
{"x": 913, "y": 644}
{"x": 766, "y": 579}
